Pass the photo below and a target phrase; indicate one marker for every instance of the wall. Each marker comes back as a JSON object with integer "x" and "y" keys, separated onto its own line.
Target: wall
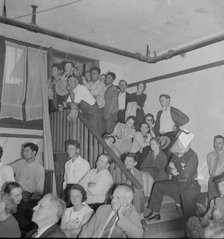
{"x": 13, "y": 140}
{"x": 200, "y": 95}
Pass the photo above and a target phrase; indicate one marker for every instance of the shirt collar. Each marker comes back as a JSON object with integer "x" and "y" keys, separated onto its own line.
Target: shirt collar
{"x": 166, "y": 108}
{"x": 42, "y": 230}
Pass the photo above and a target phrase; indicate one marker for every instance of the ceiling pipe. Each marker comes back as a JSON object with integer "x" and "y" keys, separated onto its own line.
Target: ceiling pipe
{"x": 137, "y": 56}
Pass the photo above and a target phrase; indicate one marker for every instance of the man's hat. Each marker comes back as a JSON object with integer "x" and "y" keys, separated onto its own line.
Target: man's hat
{"x": 164, "y": 141}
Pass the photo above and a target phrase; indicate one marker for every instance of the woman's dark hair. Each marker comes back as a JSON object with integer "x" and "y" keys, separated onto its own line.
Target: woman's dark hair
{"x": 131, "y": 155}
{"x": 143, "y": 123}
{"x": 131, "y": 117}
{"x": 58, "y": 66}
{"x": 144, "y": 85}
{"x": 9, "y": 186}
{"x": 150, "y": 115}
{"x": 79, "y": 188}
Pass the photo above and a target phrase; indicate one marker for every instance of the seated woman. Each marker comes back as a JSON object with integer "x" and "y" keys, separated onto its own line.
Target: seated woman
{"x": 197, "y": 227}
{"x": 124, "y": 134}
{"x": 81, "y": 98}
{"x": 77, "y": 215}
{"x": 141, "y": 145}
{"x": 149, "y": 118}
{"x": 23, "y": 213}
{"x": 155, "y": 163}
{"x": 9, "y": 227}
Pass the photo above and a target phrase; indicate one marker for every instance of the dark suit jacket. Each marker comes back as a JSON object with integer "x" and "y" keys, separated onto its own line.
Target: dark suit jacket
{"x": 52, "y": 232}
{"x": 111, "y": 101}
{"x": 178, "y": 117}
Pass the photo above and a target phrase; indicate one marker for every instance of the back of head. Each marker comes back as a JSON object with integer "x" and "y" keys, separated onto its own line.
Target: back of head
{"x": 57, "y": 205}
{"x": 10, "y": 206}
{"x": 9, "y": 186}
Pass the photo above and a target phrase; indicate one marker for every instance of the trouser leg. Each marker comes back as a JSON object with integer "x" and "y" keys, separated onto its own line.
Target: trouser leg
{"x": 189, "y": 193}
{"x": 163, "y": 188}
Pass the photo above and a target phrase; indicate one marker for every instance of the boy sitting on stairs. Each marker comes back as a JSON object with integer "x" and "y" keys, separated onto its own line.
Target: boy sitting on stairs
{"x": 130, "y": 162}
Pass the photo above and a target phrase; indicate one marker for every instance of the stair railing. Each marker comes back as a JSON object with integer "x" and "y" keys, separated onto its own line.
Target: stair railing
{"x": 91, "y": 143}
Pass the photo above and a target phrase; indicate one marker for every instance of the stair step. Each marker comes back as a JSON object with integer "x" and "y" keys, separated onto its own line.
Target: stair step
{"x": 171, "y": 234}
{"x": 167, "y": 223}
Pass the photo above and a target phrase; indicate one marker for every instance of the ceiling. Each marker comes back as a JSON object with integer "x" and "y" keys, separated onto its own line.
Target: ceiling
{"x": 130, "y": 25}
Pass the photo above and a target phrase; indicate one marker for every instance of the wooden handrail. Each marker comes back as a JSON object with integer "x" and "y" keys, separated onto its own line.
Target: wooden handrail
{"x": 110, "y": 152}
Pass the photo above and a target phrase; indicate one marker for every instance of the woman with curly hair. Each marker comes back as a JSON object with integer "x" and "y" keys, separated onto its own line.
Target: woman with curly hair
{"x": 9, "y": 227}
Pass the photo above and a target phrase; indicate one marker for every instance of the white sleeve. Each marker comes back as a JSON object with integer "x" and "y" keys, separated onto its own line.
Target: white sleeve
{"x": 10, "y": 175}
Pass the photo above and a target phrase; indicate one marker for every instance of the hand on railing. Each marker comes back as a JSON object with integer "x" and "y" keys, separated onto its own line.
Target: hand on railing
{"x": 72, "y": 114}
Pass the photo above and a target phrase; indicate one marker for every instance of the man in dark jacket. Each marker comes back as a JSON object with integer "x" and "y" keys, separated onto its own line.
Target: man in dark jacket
{"x": 183, "y": 187}
{"x": 47, "y": 213}
{"x": 123, "y": 99}
{"x": 169, "y": 120}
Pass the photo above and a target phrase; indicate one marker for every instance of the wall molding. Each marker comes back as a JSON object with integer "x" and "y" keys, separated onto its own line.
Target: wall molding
{"x": 179, "y": 73}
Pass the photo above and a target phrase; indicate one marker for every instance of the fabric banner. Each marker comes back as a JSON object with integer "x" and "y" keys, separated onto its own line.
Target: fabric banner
{"x": 14, "y": 81}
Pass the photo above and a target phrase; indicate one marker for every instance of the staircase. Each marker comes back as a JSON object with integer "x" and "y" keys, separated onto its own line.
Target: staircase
{"x": 171, "y": 224}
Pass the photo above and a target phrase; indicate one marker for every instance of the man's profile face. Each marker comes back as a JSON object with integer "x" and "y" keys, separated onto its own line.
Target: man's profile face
{"x": 218, "y": 144}
{"x": 28, "y": 153}
{"x": 42, "y": 211}
{"x": 164, "y": 101}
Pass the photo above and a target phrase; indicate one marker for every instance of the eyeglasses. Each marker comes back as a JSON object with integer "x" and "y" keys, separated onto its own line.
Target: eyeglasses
{"x": 151, "y": 120}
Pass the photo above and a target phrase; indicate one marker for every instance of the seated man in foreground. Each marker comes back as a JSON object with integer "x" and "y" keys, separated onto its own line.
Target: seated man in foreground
{"x": 46, "y": 215}
{"x": 183, "y": 186}
{"x": 120, "y": 219}
{"x": 29, "y": 173}
{"x": 98, "y": 181}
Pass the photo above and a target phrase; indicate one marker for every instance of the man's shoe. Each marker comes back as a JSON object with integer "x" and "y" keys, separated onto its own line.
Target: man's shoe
{"x": 153, "y": 216}
{"x": 148, "y": 215}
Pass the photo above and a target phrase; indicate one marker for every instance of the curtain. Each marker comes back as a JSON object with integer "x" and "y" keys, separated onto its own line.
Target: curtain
{"x": 14, "y": 81}
{"x": 36, "y": 72}
{"x": 37, "y": 101}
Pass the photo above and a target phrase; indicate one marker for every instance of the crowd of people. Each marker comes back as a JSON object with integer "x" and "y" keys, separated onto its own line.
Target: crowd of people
{"x": 91, "y": 204}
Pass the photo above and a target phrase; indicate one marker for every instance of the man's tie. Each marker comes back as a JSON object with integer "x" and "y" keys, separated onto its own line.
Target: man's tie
{"x": 109, "y": 226}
